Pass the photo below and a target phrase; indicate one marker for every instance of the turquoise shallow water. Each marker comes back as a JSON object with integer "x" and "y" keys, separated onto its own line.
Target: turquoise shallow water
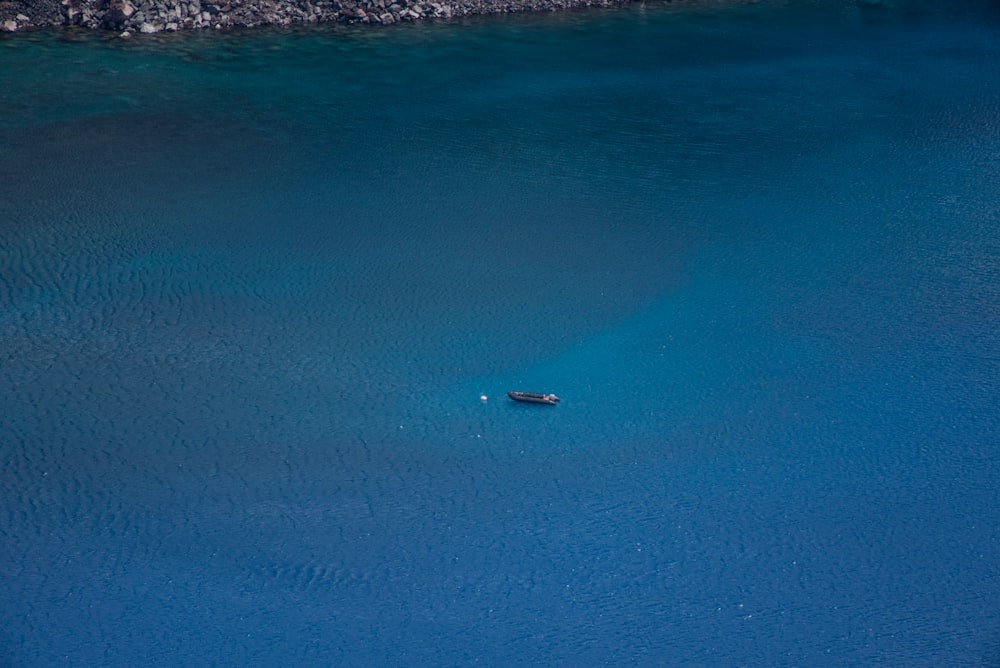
{"x": 252, "y": 287}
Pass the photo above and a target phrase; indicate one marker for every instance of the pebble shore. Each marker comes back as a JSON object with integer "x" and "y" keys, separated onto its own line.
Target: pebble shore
{"x": 150, "y": 16}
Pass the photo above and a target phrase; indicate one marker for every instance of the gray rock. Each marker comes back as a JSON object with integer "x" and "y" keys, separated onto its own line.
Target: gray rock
{"x": 156, "y": 15}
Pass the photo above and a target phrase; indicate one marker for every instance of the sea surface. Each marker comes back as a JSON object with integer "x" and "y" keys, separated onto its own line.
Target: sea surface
{"x": 254, "y": 288}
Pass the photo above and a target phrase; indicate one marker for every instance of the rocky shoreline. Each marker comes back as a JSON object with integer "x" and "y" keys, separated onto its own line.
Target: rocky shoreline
{"x": 151, "y": 16}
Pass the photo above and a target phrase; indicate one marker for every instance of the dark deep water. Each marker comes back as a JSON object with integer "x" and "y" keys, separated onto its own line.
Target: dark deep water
{"x": 253, "y": 285}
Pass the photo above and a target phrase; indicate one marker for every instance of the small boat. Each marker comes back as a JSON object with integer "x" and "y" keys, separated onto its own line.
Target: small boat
{"x": 534, "y": 397}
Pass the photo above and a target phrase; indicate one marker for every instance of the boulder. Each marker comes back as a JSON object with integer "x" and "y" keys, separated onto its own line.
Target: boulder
{"x": 117, "y": 15}
{"x": 8, "y": 25}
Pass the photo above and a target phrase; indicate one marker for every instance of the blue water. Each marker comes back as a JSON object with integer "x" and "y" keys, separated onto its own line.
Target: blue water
{"x": 253, "y": 285}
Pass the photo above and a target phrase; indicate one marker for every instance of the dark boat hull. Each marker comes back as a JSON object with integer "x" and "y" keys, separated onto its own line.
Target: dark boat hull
{"x": 534, "y": 397}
